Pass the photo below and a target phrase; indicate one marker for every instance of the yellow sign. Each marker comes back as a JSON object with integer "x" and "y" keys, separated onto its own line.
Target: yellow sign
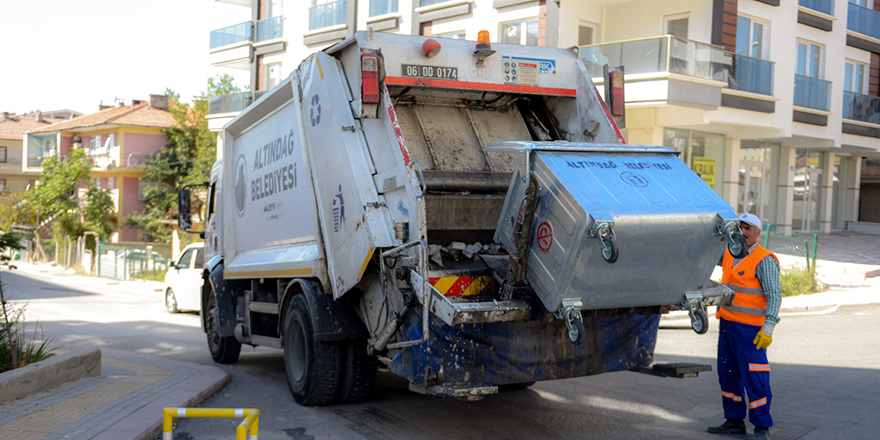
{"x": 705, "y": 168}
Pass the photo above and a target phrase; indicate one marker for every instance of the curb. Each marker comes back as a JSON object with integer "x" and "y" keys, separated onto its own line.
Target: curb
{"x": 146, "y": 422}
{"x": 77, "y": 363}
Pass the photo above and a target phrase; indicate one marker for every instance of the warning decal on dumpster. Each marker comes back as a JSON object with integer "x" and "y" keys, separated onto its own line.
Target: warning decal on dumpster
{"x": 545, "y": 236}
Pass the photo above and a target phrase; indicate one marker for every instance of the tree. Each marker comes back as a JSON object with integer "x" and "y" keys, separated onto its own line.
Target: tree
{"x": 222, "y": 85}
{"x": 57, "y": 198}
{"x": 15, "y": 207}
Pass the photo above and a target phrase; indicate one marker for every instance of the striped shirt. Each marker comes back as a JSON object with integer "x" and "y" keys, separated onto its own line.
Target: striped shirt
{"x": 767, "y": 272}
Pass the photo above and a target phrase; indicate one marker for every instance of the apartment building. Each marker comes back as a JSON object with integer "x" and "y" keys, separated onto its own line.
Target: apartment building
{"x": 774, "y": 103}
{"x": 117, "y": 139}
{"x": 12, "y": 129}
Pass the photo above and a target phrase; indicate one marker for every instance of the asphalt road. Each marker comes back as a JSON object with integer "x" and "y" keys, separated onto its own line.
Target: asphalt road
{"x": 826, "y": 378}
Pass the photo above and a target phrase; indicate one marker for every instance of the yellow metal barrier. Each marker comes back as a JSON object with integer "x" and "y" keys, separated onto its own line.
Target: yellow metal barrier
{"x": 247, "y": 430}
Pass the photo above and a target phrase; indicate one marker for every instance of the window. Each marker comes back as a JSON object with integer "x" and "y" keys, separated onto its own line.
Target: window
{"x": 185, "y": 259}
{"x": 382, "y": 7}
{"x": 455, "y": 35}
{"x": 3, "y": 154}
{"x": 809, "y": 60}
{"x": 274, "y": 9}
{"x": 273, "y": 75}
{"x": 2, "y": 185}
{"x": 142, "y": 185}
{"x": 676, "y": 25}
{"x": 855, "y": 80}
{"x": 862, "y": 3}
{"x": 520, "y": 32}
{"x": 94, "y": 142}
{"x": 586, "y": 34}
{"x": 430, "y": 2}
{"x": 200, "y": 258}
{"x": 750, "y": 37}
{"x": 110, "y": 142}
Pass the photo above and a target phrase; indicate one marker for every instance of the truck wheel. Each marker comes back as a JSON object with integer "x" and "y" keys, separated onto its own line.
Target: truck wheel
{"x": 224, "y": 350}
{"x": 312, "y": 367}
{"x": 171, "y": 302}
{"x": 358, "y": 373}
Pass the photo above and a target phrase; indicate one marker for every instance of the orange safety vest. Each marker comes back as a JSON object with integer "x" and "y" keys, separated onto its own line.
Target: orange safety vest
{"x": 749, "y": 304}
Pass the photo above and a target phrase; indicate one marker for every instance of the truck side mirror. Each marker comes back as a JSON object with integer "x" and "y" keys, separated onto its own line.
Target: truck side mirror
{"x": 184, "y": 217}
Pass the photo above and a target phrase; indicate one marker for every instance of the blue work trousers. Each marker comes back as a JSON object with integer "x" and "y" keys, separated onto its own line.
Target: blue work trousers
{"x": 742, "y": 366}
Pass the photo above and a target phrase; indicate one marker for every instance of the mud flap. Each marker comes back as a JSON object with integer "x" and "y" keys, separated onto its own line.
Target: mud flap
{"x": 681, "y": 370}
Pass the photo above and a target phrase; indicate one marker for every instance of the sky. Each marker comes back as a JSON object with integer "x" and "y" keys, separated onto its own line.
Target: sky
{"x": 76, "y": 54}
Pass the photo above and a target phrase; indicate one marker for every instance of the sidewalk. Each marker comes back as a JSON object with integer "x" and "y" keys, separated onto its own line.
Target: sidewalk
{"x": 123, "y": 402}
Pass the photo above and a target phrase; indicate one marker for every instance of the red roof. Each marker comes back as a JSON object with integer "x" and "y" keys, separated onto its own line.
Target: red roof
{"x": 141, "y": 115}
{"x": 15, "y": 126}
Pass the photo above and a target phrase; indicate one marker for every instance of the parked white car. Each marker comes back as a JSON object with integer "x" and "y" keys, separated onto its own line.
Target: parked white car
{"x": 183, "y": 281}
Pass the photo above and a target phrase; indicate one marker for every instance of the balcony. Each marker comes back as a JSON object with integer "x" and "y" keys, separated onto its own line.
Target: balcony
{"x": 812, "y": 92}
{"x": 270, "y": 28}
{"x": 382, "y": 7}
{"x": 664, "y": 54}
{"x": 35, "y": 162}
{"x": 862, "y": 20}
{"x": 752, "y": 75}
{"x": 229, "y": 103}
{"x": 104, "y": 157}
{"x": 824, "y": 6}
{"x": 231, "y": 35}
{"x": 328, "y": 14}
{"x": 862, "y": 108}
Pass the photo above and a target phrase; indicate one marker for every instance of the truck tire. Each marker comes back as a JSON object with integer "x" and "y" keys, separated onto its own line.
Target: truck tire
{"x": 358, "y": 372}
{"x": 224, "y": 350}
{"x": 312, "y": 367}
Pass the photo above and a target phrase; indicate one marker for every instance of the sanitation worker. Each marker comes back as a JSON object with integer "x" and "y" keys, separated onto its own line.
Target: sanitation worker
{"x": 745, "y": 333}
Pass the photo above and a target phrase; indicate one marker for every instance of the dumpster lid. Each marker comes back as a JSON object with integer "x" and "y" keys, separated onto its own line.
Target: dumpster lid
{"x": 579, "y": 146}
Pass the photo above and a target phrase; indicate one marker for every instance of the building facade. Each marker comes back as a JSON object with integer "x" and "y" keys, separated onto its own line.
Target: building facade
{"x": 12, "y": 128}
{"x": 118, "y": 140}
{"x": 774, "y": 103}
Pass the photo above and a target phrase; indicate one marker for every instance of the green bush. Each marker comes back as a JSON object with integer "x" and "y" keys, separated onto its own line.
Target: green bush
{"x": 799, "y": 281}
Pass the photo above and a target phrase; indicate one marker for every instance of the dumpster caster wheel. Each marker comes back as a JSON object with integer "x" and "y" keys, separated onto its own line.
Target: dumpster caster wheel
{"x": 608, "y": 239}
{"x": 736, "y": 242}
{"x": 699, "y": 320}
{"x": 574, "y": 322}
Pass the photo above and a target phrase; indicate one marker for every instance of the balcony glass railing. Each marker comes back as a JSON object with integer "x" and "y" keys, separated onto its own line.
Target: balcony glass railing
{"x": 270, "y": 28}
{"x": 231, "y": 102}
{"x": 35, "y": 162}
{"x": 382, "y": 7}
{"x": 657, "y": 55}
{"x": 861, "y": 108}
{"x": 863, "y": 20}
{"x": 812, "y": 92}
{"x": 823, "y": 6}
{"x": 752, "y": 75}
{"x": 231, "y": 35}
{"x": 328, "y": 14}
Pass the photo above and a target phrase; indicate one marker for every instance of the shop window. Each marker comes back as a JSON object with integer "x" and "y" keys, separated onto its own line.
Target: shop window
{"x": 702, "y": 152}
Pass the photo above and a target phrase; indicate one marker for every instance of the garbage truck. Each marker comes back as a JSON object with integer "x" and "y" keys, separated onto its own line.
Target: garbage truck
{"x": 463, "y": 214}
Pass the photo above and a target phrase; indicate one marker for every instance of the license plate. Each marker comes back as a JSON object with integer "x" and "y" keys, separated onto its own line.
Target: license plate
{"x": 438, "y": 72}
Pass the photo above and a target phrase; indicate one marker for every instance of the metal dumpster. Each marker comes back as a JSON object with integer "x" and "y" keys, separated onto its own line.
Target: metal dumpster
{"x": 614, "y": 226}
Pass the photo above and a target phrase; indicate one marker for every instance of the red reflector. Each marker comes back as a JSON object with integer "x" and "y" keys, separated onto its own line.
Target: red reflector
{"x": 369, "y": 78}
{"x": 617, "y": 100}
{"x": 430, "y": 47}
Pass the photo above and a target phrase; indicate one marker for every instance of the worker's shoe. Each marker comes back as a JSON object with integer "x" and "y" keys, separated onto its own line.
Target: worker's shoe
{"x": 761, "y": 433}
{"x": 729, "y": 427}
